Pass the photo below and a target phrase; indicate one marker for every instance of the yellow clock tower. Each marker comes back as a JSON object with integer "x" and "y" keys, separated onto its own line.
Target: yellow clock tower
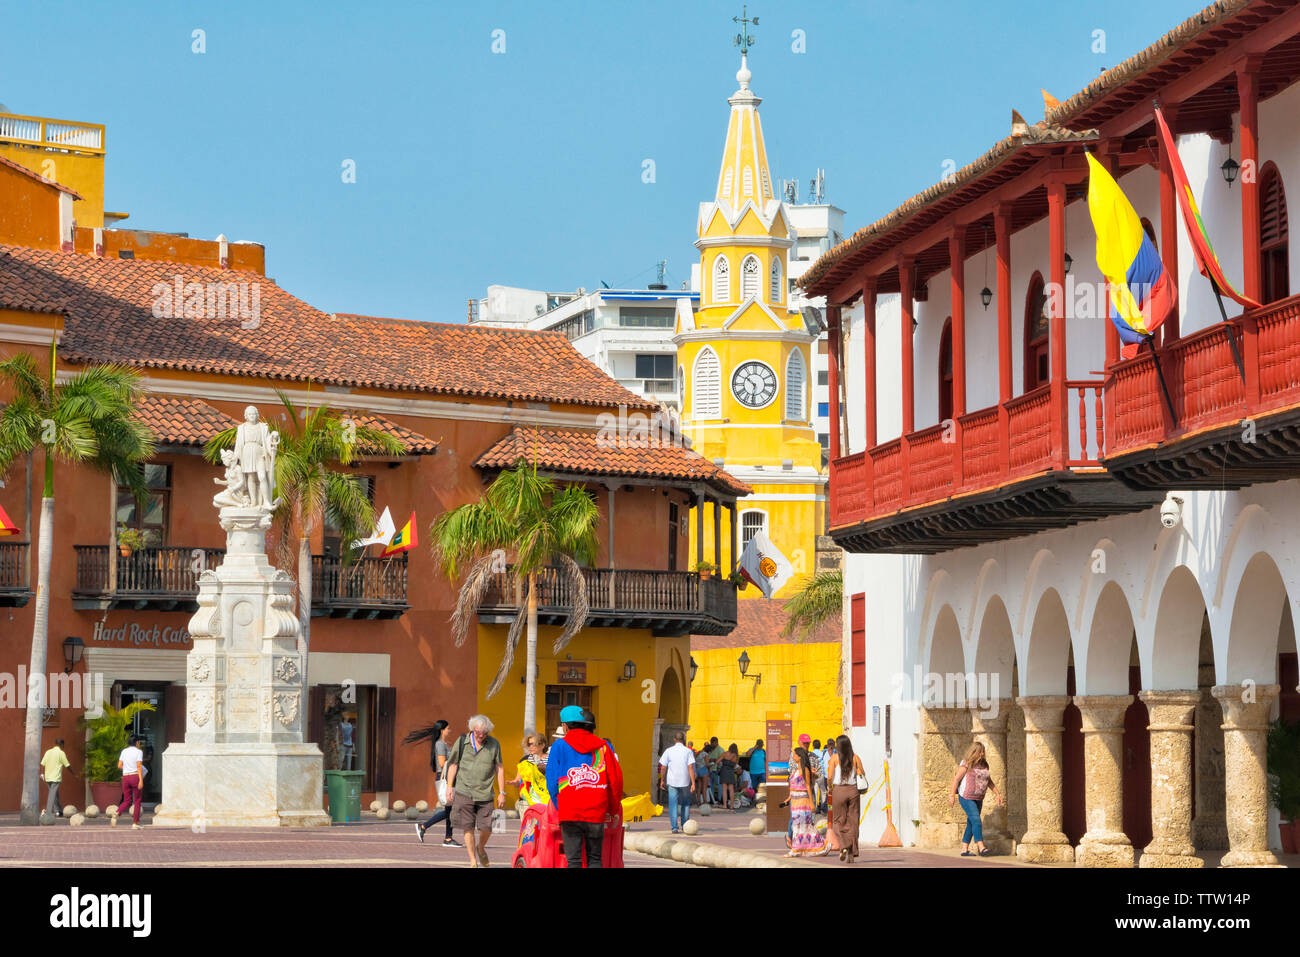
{"x": 744, "y": 359}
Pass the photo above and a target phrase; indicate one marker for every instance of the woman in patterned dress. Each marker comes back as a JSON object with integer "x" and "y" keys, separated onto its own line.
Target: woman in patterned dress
{"x": 805, "y": 839}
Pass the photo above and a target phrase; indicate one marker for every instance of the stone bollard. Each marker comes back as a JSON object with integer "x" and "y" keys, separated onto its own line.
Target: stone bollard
{"x": 375, "y": 805}
{"x": 691, "y": 827}
{"x": 399, "y": 807}
{"x": 412, "y": 814}
{"x": 682, "y": 851}
{"x": 382, "y": 814}
{"x": 704, "y": 810}
{"x": 422, "y": 806}
{"x": 69, "y": 810}
{"x": 757, "y": 826}
{"x": 92, "y": 811}
{"x": 76, "y": 820}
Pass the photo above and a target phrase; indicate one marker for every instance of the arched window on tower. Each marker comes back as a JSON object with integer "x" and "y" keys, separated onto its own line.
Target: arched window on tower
{"x": 1273, "y": 240}
{"x": 945, "y": 372}
{"x": 706, "y": 386}
{"x": 750, "y": 283}
{"x": 721, "y": 280}
{"x": 751, "y": 520}
{"x": 1037, "y": 326}
{"x": 794, "y": 387}
{"x": 681, "y": 387}
{"x": 726, "y": 183}
{"x": 748, "y": 179}
{"x": 774, "y": 293}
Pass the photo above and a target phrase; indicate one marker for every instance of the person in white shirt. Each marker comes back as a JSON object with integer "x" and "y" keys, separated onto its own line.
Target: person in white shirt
{"x": 678, "y": 764}
{"x": 131, "y": 761}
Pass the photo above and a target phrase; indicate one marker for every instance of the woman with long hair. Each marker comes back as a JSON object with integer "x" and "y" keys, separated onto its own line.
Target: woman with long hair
{"x": 805, "y": 840}
{"x": 843, "y": 771}
{"x": 441, "y": 738}
{"x": 727, "y": 767}
{"x": 530, "y": 775}
{"x": 968, "y": 786}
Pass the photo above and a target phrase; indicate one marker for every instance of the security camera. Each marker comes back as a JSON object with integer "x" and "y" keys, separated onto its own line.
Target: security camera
{"x": 1171, "y": 511}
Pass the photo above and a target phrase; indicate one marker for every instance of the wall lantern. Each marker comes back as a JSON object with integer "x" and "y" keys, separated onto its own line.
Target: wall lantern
{"x": 986, "y": 296}
{"x": 1069, "y": 261}
{"x": 1229, "y": 170}
{"x": 743, "y": 661}
{"x": 694, "y": 668}
{"x": 72, "y": 649}
{"x": 629, "y": 671}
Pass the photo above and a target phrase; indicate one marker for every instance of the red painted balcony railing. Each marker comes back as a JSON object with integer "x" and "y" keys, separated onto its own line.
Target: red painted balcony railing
{"x": 970, "y": 454}
{"x": 1205, "y": 386}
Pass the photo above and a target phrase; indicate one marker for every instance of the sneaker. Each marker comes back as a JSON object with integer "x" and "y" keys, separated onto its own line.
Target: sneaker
{"x": 419, "y": 831}
{"x": 451, "y": 842}
{"x": 483, "y": 859}
{"x": 136, "y": 827}
{"x": 674, "y": 831}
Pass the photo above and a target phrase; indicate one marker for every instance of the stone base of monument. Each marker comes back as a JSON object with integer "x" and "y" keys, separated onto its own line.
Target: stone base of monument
{"x": 242, "y": 785}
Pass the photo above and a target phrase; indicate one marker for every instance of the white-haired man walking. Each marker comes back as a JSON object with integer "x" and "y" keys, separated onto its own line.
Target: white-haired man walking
{"x": 474, "y": 762}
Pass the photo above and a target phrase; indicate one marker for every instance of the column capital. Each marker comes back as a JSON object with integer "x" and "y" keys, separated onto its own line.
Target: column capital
{"x": 1240, "y": 714}
{"x": 945, "y": 720}
{"x": 1103, "y": 713}
{"x": 1171, "y": 710}
{"x": 995, "y": 723}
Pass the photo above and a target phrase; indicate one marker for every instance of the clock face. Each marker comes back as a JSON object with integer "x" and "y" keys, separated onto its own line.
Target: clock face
{"x": 754, "y": 384}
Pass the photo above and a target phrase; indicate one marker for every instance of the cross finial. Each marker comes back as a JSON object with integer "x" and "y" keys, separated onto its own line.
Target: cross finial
{"x": 743, "y": 39}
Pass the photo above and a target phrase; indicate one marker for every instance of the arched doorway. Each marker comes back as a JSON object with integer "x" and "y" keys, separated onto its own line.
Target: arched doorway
{"x": 1037, "y": 328}
{"x": 1049, "y": 670}
{"x": 945, "y": 372}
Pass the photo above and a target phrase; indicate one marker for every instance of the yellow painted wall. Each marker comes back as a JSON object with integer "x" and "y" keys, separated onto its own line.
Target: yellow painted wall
{"x": 625, "y": 710}
{"x": 83, "y": 172}
{"x": 729, "y": 706}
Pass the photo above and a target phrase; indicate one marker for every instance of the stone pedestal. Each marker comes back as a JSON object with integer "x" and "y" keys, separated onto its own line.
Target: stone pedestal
{"x": 990, "y": 730}
{"x": 945, "y": 736}
{"x": 1245, "y": 724}
{"x": 244, "y": 761}
{"x": 1104, "y": 844}
{"x": 1172, "y": 715}
{"x": 1044, "y": 841}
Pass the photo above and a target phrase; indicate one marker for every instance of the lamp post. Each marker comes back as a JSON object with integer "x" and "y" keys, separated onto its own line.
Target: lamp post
{"x": 743, "y": 661}
{"x": 1229, "y": 170}
{"x": 694, "y": 667}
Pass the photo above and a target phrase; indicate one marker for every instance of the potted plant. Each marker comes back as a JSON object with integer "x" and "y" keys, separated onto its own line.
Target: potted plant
{"x": 705, "y": 569}
{"x": 738, "y": 579}
{"x": 108, "y": 736}
{"x": 1282, "y": 751}
{"x": 129, "y": 540}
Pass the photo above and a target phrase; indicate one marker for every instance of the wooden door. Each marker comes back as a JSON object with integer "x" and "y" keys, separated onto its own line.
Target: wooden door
{"x": 1074, "y": 816}
{"x": 672, "y": 536}
{"x": 1135, "y": 771}
{"x": 559, "y": 697}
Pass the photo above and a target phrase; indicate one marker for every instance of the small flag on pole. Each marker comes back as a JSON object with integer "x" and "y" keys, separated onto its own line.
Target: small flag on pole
{"x": 404, "y": 540}
{"x": 384, "y": 532}
{"x": 763, "y": 564}
{"x": 7, "y": 527}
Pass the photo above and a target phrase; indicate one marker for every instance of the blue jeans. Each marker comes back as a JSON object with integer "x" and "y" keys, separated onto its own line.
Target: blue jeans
{"x": 679, "y": 806}
{"x": 756, "y": 779}
{"x": 974, "y": 828}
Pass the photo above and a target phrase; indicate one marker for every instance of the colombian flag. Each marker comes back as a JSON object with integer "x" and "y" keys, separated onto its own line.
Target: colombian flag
{"x": 7, "y": 527}
{"x": 404, "y": 540}
{"x": 1141, "y": 292}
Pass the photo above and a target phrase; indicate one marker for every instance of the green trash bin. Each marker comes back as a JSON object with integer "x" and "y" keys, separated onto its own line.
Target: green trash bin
{"x": 344, "y": 790}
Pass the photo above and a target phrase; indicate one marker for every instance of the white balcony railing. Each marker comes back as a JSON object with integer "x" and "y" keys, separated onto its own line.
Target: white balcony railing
{"x": 56, "y": 134}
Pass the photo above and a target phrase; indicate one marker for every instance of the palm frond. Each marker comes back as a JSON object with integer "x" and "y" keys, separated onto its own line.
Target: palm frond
{"x": 578, "y": 613}
{"x": 512, "y": 643}
{"x": 465, "y": 615}
{"x": 820, "y": 599}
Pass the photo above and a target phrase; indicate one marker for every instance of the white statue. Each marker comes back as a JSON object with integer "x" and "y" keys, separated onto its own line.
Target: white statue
{"x": 235, "y": 493}
{"x": 255, "y": 449}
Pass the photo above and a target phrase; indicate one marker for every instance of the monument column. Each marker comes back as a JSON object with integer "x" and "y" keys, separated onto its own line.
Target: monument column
{"x": 1245, "y": 724}
{"x": 1044, "y": 841}
{"x": 990, "y": 730}
{"x": 1172, "y": 714}
{"x": 1105, "y": 844}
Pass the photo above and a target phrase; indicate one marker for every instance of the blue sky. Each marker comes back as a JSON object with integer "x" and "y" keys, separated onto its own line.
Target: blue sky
{"x": 525, "y": 167}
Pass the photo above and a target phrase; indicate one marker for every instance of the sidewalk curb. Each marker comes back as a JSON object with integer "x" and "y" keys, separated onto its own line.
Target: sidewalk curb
{"x": 704, "y": 855}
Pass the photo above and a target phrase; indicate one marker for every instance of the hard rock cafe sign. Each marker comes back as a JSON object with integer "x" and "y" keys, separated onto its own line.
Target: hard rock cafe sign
{"x": 136, "y": 635}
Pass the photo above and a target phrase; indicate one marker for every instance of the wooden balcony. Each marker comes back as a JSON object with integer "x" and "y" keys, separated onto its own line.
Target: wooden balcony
{"x": 993, "y": 474}
{"x": 669, "y": 603}
{"x": 166, "y": 579}
{"x": 366, "y": 588}
{"x": 1227, "y": 431}
{"x": 14, "y": 588}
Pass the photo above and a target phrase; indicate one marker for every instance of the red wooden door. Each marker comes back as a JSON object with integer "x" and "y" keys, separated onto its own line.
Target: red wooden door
{"x": 1075, "y": 820}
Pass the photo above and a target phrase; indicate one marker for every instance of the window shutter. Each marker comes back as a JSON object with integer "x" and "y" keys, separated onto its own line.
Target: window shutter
{"x": 748, "y": 180}
{"x": 749, "y": 278}
{"x": 775, "y": 292}
{"x": 794, "y": 386}
{"x": 706, "y": 386}
{"x": 721, "y": 280}
{"x": 858, "y": 660}
{"x": 1272, "y": 218}
{"x": 385, "y": 737}
{"x": 726, "y": 184}
{"x": 316, "y": 714}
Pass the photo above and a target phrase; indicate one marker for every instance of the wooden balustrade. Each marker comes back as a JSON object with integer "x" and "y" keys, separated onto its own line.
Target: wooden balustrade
{"x": 362, "y": 583}
{"x": 147, "y": 572}
{"x": 13, "y": 566}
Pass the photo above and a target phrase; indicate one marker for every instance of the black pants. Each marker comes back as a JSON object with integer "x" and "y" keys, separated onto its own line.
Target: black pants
{"x": 444, "y": 814}
{"x": 579, "y": 833}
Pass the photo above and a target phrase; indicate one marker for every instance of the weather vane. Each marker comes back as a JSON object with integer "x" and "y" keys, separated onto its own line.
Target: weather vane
{"x": 743, "y": 38}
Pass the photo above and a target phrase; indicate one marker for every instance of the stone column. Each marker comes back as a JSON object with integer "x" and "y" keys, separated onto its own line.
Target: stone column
{"x": 1105, "y": 844}
{"x": 945, "y": 735}
{"x": 1044, "y": 841}
{"x": 1209, "y": 827}
{"x": 990, "y": 730}
{"x": 1172, "y": 714}
{"x": 1245, "y": 724}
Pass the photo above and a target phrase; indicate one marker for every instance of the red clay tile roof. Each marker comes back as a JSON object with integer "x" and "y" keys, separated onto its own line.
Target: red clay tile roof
{"x": 109, "y": 308}
{"x": 176, "y": 421}
{"x": 416, "y": 444}
{"x": 581, "y": 452}
{"x": 39, "y": 178}
{"x": 759, "y": 622}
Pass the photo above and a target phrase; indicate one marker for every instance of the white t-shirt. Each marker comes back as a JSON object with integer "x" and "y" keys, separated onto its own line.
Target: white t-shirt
{"x": 130, "y": 758}
{"x": 678, "y": 759}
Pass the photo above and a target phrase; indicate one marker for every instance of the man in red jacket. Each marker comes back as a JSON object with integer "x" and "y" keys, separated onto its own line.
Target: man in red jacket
{"x": 586, "y": 785}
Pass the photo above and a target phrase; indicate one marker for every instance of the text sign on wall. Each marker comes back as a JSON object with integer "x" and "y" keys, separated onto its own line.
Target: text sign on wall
{"x": 134, "y": 635}
{"x": 572, "y": 672}
{"x": 780, "y": 740}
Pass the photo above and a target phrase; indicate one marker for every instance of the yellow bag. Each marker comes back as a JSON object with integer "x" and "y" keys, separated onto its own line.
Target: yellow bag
{"x": 533, "y": 789}
{"x": 640, "y": 808}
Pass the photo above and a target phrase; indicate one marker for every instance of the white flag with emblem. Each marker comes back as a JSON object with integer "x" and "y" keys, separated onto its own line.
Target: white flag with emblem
{"x": 764, "y": 565}
{"x": 384, "y": 532}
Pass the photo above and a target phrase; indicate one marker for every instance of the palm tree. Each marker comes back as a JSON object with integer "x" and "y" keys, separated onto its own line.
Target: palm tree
{"x": 541, "y": 524}
{"x": 816, "y": 602}
{"x": 310, "y": 491}
{"x": 89, "y": 419}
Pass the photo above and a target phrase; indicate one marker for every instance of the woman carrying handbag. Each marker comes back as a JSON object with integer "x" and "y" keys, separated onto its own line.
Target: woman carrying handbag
{"x": 847, "y": 781}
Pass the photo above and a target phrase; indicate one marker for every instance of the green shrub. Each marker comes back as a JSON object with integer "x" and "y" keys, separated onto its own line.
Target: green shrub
{"x": 108, "y": 736}
{"x": 1283, "y": 754}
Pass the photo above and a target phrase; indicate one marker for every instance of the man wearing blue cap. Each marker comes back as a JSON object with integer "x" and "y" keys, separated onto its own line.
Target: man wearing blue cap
{"x": 586, "y": 785}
